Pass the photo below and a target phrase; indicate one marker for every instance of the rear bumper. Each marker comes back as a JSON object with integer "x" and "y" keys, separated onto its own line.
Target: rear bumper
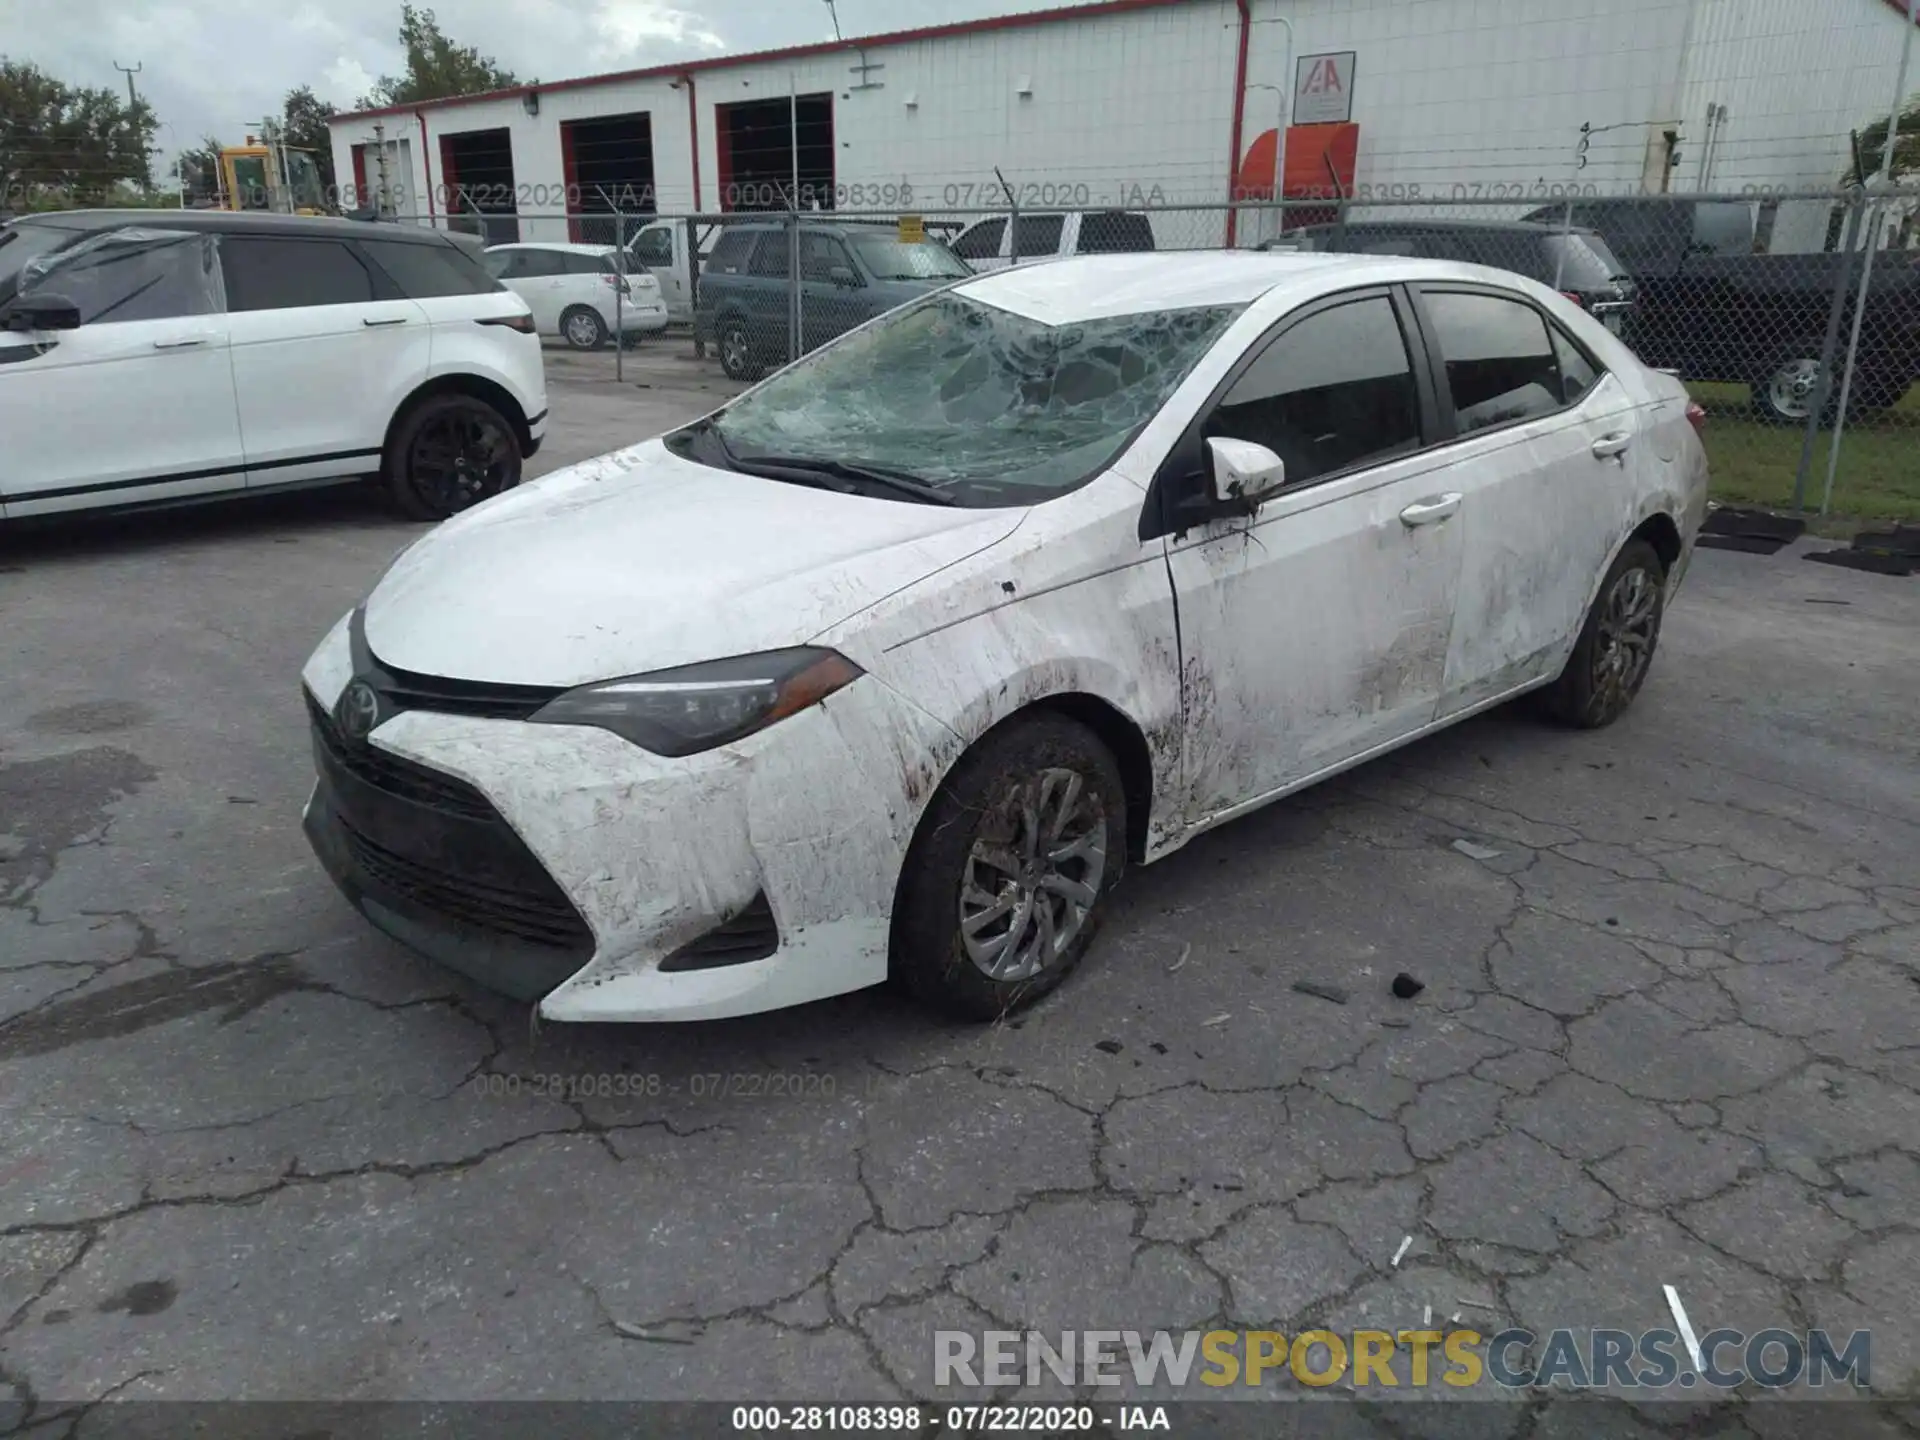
{"x": 643, "y": 321}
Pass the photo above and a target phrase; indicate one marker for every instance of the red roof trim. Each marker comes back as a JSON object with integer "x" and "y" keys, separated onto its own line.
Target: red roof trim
{"x": 827, "y": 47}
{"x": 1899, "y": 6}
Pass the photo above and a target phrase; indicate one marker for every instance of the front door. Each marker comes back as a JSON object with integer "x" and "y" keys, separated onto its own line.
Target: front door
{"x": 1543, "y": 435}
{"x": 321, "y": 355}
{"x": 138, "y": 403}
{"x": 660, "y": 250}
{"x": 1317, "y": 629}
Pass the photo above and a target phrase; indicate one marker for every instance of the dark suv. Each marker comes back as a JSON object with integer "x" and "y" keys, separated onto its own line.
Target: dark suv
{"x": 850, "y": 271}
{"x": 1575, "y": 262}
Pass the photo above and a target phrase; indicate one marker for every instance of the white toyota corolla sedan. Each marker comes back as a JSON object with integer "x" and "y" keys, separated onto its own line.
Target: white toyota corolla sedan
{"x": 891, "y": 665}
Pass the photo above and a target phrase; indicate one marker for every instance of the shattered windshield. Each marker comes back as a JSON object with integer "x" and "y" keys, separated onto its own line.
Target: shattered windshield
{"x": 990, "y": 407}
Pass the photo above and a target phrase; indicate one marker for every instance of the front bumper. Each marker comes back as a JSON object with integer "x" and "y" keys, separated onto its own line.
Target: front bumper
{"x": 563, "y": 865}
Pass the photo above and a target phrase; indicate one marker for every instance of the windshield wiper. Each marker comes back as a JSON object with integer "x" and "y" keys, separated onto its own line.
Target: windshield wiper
{"x": 802, "y": 469}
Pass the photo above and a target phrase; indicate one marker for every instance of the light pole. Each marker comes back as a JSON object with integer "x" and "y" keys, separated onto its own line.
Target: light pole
{"x": 1279, "y": 157}
{"x": 1286, "y": 113}
{"x": 1880, "y": 186}
{"x": 836, "y": 21}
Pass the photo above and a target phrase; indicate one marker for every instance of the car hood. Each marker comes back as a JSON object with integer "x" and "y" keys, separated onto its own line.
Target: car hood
{"x": 639, "y": 560}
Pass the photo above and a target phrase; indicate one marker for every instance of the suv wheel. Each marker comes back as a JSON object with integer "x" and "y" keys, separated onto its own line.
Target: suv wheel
{"x": 1785, "y": 394}
{"x": 449, "y": 453}
{"x": 583, "y": 328}
{"x": 737, "y": 358}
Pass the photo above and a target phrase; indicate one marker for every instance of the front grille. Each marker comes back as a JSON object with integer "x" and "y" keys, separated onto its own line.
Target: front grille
{"x": 540, "y": 917}
{"x": 750, "y": 935}
{"x": 388, "y": 773}
{"x": 404, "y": 690}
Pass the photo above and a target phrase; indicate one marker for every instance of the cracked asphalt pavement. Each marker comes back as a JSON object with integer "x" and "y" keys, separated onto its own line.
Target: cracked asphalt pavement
{"x": 1670, "y": 1035}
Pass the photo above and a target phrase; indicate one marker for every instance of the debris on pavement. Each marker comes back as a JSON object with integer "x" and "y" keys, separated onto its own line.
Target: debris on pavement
{"x": 1406, "y": 1244}
{"x": 1405, "y": 987}
{"x": 1217, "y": 1020}
{"x": 1324, "y": 992}
{"x": 1185, "y": 951}
{"x": 1685, "y": 1327}
{"x": 652, "y": 1337}
{"x": 1108, "y": 1047}
{"x": 1477, "y": 852}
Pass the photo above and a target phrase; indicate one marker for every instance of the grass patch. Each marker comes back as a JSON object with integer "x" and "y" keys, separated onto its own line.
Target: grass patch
{"x": 1753, "y": 463}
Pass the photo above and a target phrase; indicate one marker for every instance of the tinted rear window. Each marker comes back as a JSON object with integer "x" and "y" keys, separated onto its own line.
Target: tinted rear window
{"x": 424, "y": 272}
{"x": 271, "y": 273}
{"x": 1114, "y": 232}
{"x": 1580, "y": 262}
{"x": 730, "y": 252}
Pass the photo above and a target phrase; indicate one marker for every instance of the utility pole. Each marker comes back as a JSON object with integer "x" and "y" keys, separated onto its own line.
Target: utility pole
{"x": 129, "y": 72}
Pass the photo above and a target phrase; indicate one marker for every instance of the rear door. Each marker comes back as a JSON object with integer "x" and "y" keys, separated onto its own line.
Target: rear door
{"x": 138, "y": 403}
{"x": 1540, "y": 438}
{"x": 766, "y": 297}
{"x": 983, "y": 244}
{"x": 324, "y": 347}
{"x": 1036, "y": 237}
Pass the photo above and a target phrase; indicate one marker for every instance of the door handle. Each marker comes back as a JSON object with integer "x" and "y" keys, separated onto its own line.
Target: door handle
{"x": 1430, "y": 511}
{"x": 1610, "y": 445}
{"x": 396, "y": 320}
{"x": 185, "y": 342}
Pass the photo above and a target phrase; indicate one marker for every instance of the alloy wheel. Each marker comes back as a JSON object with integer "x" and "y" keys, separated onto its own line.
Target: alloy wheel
{"x": 1033, "y": 875}
{"x": 460, "y": 458}
{"x": 1624, "y": 642}
{"x": 1791, "y": 388}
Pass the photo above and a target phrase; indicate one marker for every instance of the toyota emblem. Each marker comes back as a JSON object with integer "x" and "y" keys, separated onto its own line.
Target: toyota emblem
{"x": 358, "y": 710}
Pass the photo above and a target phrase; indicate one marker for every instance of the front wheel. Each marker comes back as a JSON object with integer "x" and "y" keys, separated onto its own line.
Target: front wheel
{"x": 1785, "y": 394}
{"x": 450, "y": 453}
{"x": 1007, "y": 879}
{"x": 1610, "y": 661}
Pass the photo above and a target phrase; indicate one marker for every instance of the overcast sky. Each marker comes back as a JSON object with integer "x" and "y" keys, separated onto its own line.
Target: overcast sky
{"x": 217, "y": 66}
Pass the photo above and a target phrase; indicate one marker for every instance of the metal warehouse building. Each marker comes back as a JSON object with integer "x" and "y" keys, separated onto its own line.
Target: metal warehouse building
{"x": 1123, "y": 102}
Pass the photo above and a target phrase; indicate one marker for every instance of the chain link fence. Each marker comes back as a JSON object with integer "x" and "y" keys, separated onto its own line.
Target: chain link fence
{"x": 1794, "y": 317}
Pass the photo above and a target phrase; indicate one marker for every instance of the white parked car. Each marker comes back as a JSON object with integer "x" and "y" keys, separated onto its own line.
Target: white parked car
{"x": 579, "y": 292}
{"x": 892, "y": 665}
{"x": 158, "y": 357}
{"x": 997, "y": 241}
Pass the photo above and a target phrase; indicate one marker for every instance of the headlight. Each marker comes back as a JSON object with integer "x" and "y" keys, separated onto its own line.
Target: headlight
{"x": 696, "y": 707}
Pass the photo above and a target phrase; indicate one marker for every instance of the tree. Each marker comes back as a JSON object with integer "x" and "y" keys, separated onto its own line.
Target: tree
{"x": 1906, "y": 146}
{"x": 436, "y": 66}
{"x": 68, "y": 142}
{"x": 303, "y": 126}
{"x": 198, "y": 170}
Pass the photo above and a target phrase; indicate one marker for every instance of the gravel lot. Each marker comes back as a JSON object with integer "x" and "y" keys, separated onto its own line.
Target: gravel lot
{"x": 1670, "y": 1035}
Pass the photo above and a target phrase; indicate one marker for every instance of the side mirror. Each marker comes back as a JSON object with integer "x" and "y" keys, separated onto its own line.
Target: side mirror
{"x": 1244, "y": 473}
{"x": 843, "y": 277}
{"x": 43, "y": 310}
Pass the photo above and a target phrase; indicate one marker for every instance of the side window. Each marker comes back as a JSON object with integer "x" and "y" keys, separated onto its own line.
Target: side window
{"x": 729, "y": 253}
{"x": 1114, "y": 232}
{"x": 1037, "y": 235}
{"x": 982, "y": 241}
{"x": 540, "y": 265}
{"x": 577, "y": 264}
{"x": 266, "y": 273}
{"x": 1331, "y": 392}
{"x": 132, "y": 274}
{"x": 1499, "y": 361}
{"x": 819, "y": 254}
{"x": 771, "y": 259}
{"x": 652, "y": 247}
{"x": 503, "y": 264}
{"x": 428, "y": 271}
{"x": 1578, "y": 374}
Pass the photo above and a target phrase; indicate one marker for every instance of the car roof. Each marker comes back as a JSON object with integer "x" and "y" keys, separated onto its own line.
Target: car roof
{"x": 1523, "y": 227}
{"x": 1098, "y": 287}
{"x": 231, "y": 222}
{"x": 565, "y": 247}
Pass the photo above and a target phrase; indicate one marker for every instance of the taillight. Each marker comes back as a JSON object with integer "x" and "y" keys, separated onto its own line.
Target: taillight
{"x": 523, "y": 323}
{"x": 1570, "y": 295}
{"x": 618, "y": 282}
{"x": 1696, "y": 417}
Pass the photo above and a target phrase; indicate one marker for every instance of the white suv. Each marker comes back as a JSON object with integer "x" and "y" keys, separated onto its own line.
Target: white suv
{"x": 155, "y": 357}
{"x": 572, "y": 291}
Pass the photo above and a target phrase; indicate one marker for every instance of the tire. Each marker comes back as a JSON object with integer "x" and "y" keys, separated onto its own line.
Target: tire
{"x": 974, "y": 835}
{"x": 738, "y": 357}
{"x": 582, "y": 328}
{"x": 1783, "y": 393}
{"x": 1597, "y": 686}
{"x": 448, "y": 453}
